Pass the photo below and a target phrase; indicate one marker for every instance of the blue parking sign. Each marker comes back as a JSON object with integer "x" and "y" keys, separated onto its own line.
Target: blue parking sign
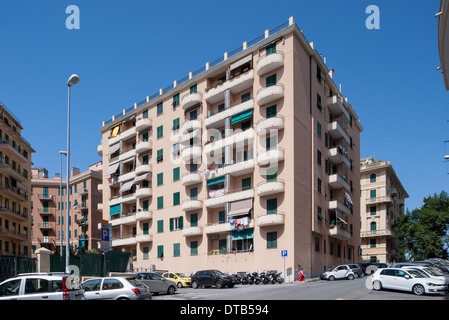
{"x": 104, "y": 234}
{"x": 284, "y": 253}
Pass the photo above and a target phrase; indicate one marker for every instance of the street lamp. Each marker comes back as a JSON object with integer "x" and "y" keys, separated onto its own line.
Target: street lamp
{"x": 73, "y": 80}
{"x": 61, "y": 153}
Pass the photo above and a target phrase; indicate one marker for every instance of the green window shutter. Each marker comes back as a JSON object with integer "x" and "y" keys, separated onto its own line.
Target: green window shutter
{"x": 176, "y": 174}
{"x": 271, "y": 49}
{"x": 373, "y": 226}
{"x": 271, "y": 112}
{"x": 146, "y": 228}
{"x": 318, "y": 128}
{"x": 145, "y": 205}
{"x": 171, "y": 224}
{"x": 160, "y": 108}
{"x": 318, "y": 99}
{"x": 160, "y": 251}
{"x": 222, "y": 217}
{"x": 194, "y": 248}
{"x": 193, "y": 89}
{"x": 145, "y": 159}
{"x": 176, "y": 249}
{"x": 194, "y": 193}
{"x": 320, "y": 216}
{"x": 160, "y": 179}
{"x": 145, "y": 136}
{"x": 160, "y": 132}
{"x": 246, "y": 183}
{"x": 194, "y": 220}
{"x": 160, "y": 202}
{"x": 160, "y": 226}
{"x": 175, "y": 124}
{"x": 272, "y": 206}
{"x": 175, "y": 102}
{"x": 373, "y": 211}
{"x": 160, "y": 155}
{"x": 372, "y": 178}
{"x": 272, "y": 240}
{"x": 271, "y": 80}
{"x": 181, "y": 222}
{"x": 319, "y": 157}
{"x": 272, "y": 177}
{"x": 373, "y": 194}
{"x": 176, "y": 198}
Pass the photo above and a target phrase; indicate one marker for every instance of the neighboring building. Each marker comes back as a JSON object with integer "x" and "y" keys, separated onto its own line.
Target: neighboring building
{"x": 15, "y": 186}
{"x": 382, "y": 202}
{"x": 443, "y": 40}
{"x": 48, "y": 204}
{"x": 250, "y": 156}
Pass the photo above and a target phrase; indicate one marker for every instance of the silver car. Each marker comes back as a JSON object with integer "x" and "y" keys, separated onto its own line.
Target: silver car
{"x": 116, "y": 288}
{"x": 41, "y": 286}
{"x": 157, "y": 283}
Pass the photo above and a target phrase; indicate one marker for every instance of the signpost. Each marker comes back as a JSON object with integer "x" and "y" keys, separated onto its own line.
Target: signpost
{"x": 284, "y": 257}
{"x": 106, "y": 240}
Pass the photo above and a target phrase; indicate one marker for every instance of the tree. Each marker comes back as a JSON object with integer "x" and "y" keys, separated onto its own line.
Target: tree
{"x": 423, "y": 233}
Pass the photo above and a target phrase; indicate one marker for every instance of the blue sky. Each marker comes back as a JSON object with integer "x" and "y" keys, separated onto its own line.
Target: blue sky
{"x": 125, "y": 51}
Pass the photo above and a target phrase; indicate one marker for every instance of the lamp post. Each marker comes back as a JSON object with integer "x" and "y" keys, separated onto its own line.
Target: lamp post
{"x": 73, "y": 80}
{"x": 60, "y": 197}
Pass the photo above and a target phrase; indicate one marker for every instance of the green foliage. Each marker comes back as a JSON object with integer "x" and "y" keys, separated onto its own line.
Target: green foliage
{"x": 423, "y": 233}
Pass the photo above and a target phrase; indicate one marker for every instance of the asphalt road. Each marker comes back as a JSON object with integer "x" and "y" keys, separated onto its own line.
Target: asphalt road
{"x": 312, "y": 290}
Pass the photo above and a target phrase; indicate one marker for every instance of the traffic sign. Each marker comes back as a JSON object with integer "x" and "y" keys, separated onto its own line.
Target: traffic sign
{"x": 284, "y": 253}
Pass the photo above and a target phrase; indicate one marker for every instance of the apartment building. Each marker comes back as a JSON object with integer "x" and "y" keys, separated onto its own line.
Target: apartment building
{"x": 382, "y": 202}
{"x": 15, "y": 186}
{"x": 49, "y": 209}
{"x": 247, "y": 158}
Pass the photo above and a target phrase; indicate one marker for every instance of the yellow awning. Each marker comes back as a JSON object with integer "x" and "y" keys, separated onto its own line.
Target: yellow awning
{"x": 115, "y": 131}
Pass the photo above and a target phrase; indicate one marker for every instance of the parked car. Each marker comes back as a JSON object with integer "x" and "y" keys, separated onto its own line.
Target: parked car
{"x": 116, "y": 288}
{"x": 180, "y": 279}
{"x": 407, "y": 280}
{"x": 343, "y": 271}
{"x": 40, "y": 286}
{"x": 440, "y": 264}
{"x": 359, "y": 271}
{"x": 157, "y": 283}
{"x": 209, "y": 278}
{"x": 431, "y": 272}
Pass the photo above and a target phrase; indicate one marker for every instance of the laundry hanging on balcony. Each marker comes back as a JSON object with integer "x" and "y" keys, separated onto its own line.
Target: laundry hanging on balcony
{"x": 348, "y": 200}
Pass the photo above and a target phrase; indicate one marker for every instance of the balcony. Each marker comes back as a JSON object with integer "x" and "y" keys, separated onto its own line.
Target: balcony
{"x": 46, "y": 226}
{"x": 337, "y": 205}
{"x": 15, "y": 215}
{"x": 125, "y": 135}
{"x": 191, "y": 99}
{"x": 130, "y": 240}
{"x": 336, "y": 106}
{"x": 218, "y": 198}
{"x": 272, "y": 156}
{"x": 192, "y": 204}
{"x": 337, "y": 181}
{"x": 45, "y": 196}
{"x": 144, "y": 193}
{"x": 236, "y": 84}
{"x": 274, "y": 123}
{"x": 379, "y": 200}
{"x": 143, "y": 146}
{"x": 144, "y": 215}
{"x": 335, "y": 129}
{"x": 124, "y": 220}
{"x": 217, "y": 120}
{"x": 46, "y": 211}
{"x": 267, "y": 188}
{"x": 143, "y": 124}
{"x": 142, "y": 238}
{"x": 191, "y": 125}
{"x": 129, "y": 198}
{"x": 238, "y": 137}
{"x": 269, "y": 94}
{"x": 268, "y": 63}
{"x": 339, "y": 232}
{"x": 376, "y": 233}
{"x": 224, "y": 227}
{"x": 274, "y": 219}
{"x": 191, "y": 153}
{"x": 192, "y": 231}
{"x": 191, "y": 178}
{"x": 143, "y": 168}
{"x": 337, "y": 155}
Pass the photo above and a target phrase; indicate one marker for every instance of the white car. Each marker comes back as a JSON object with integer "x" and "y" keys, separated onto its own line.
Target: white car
{"x": 431, "y": 272}
{"x": 407, "y": 280}
{"x": 40, "y": 286}
{"x": 343, "y": 271}
{"x": 116, "y": 288}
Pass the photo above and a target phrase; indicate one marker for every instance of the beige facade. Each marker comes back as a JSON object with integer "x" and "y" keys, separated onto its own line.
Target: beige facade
{"x": 236, "y": 163}
{"x": 382, "y": 202}
{"x": 49, "y": 205}
{"x": 15, "y": 186}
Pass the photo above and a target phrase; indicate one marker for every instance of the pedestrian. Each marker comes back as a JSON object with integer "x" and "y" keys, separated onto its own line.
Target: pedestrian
{"x": 301, "y": 277}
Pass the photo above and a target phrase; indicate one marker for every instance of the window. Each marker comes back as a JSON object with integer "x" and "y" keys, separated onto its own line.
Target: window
{"x": 160, "y": 130}
{"x": 160, "y": 179}
{"x": 272, "y": 206}
{"x": 271, "y": 49}
{"x": 176, "y": 198}
{"x": 372, "y": 178}
{"x": 160, "y": 251}
{"x": 271, "y": 112}
{"x": 175, "y": 124}
{"x": 373, "y": 226}
{"x": 176, "y": 249}
{"x": 320, "y": 215}
{"x": 194, "y": 248}
{"x": 160, "y": 202}
{"x": 245, "y": 97}
{"x": 318, "y": 72}
{"x": 318, "y": 99}
{"x": 373, "y": 194}
{"x": 372, "y": 243}
{"x": 160, "y": 108}
{"x": 222, "y": 217}
{"x": 246, "y": 183}
{"x": 271, "y": 80}
{"x": 176, "y": 223}
{"x": 176, "y": 174}
{"x": 145, "y": 252}
{"x": 175, "y": 102}
{"x": 36, "y": 285}
{"x": 319, "y": 157}
{"x": 319, "y": 185}
{"x": 194, "y": 193}
{"x": 272, "y": 240}
{"x": 318, "y": 129}
{"x": 110, "y": 284}
{"x": 373, "y": 211}
{"x": 193, "y": 89}
{"x": 194, "y": 220}
{"x": 160, "y": 226}
{"x": 160, "y": 155}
